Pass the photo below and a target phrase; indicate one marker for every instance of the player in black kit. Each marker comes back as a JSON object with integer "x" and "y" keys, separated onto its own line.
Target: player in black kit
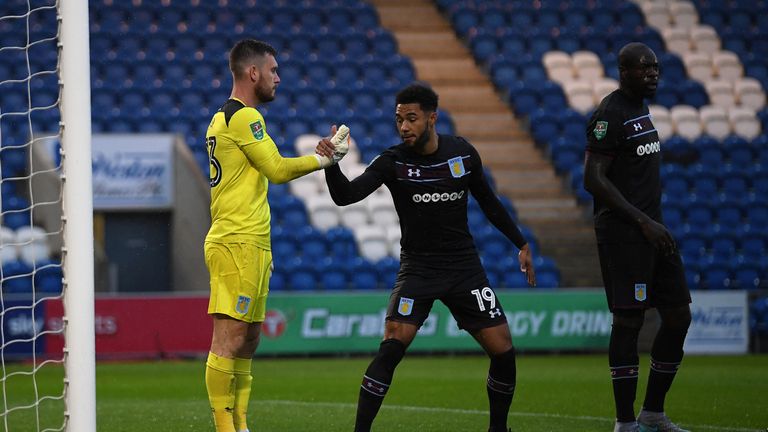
{"x": 430, "y": 177}
{"x": 640, "y": 263}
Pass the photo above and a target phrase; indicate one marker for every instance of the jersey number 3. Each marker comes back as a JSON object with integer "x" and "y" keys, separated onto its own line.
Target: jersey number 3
{"x": 215, "y": 165}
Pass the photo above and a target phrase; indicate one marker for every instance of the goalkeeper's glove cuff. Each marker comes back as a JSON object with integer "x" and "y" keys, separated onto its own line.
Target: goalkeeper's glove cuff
{"x": 324, "y": 161}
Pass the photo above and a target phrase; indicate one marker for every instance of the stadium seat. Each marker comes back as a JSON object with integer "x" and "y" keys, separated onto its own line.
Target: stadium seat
{"x": 17, "y": 277}
{"x": 721, "y": 93}
{"x": 678, "y": 40}
{"x": 750, "y": 93}
{"x": 656, "y": 14}
{"x": 364, "y": 275}
{"x": 704, "y": 39}
{"x": 580, "y": 96}
{"x": 559, "y": 66}
{"x": 686, "y": 121}
{"x": 372, "y": 241}
{"x": 716, "y": 277}
{"x": 714, "y": 118}
{"x": 587, "y": 66}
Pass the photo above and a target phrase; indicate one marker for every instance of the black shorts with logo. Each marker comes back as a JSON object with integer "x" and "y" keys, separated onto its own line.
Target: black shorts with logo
{"x": 637, "y": 276}
{"x": 459, "y": 282}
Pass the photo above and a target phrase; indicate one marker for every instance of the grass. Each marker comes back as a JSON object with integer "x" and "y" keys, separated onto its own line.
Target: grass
{"x": 554, "y": 393}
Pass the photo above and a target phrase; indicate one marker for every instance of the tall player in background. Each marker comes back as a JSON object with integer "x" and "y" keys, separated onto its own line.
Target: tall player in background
{"x": 640, "y": 263}
{"x": 430, "y": 177}
{"x": 243, "y": 159}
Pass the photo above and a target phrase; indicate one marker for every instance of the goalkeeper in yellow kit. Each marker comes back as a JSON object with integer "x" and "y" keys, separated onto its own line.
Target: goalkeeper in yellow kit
{"x": 243, "y": 160}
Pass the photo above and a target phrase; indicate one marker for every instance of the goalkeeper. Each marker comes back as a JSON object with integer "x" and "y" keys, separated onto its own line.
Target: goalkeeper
{"x": 243, "y": 158}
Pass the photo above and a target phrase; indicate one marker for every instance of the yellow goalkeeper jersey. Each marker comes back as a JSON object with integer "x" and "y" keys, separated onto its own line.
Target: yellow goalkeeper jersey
{"x": 243, "y": 160}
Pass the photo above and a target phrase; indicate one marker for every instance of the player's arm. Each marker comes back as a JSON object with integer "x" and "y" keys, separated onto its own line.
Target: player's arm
{"x": 602, "y": 142}
{"x": 344, "y": 192}
{"x": 496, "y": 213}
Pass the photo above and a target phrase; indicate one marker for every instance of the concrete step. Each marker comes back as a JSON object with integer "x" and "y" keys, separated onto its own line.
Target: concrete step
{"x": 410, "y": 15}
{"x": 426, "y": 47}
{"x": 448, "y": 71}
{"x": 469, "y": 99}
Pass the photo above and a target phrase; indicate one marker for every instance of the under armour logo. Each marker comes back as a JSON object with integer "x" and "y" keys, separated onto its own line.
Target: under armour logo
{"x": 638, "y": 127}
{"x": 494, "y": 313}
{"x": 414, "y": 172}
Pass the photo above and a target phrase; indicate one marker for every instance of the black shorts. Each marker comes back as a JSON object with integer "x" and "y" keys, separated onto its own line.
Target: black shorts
{"x": 461, "y": 285}
{"x": 636, "y": 276}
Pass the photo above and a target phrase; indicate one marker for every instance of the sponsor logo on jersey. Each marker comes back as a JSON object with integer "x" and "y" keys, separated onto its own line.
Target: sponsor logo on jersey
{"x": 601, "y": 128}
{"x": 646, "y": 149}
{"x": 406, "y": 306}
{"x": 437, "y": 197}
{"x": 639, "y": 126}
{"x": 457, "y": 167}
{"x": 640, "y": 292}
{"x": 414, "y": 172}
{"x": 242, "y": 305}
{"x": 257, "y": 129}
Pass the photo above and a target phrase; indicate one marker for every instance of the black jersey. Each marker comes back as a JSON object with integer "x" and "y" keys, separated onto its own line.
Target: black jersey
{"x": 430, "y": 194}
{"x": 622, "y": 128}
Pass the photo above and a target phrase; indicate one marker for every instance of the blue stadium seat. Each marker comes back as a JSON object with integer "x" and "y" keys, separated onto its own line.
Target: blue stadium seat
{"x": 547, "y": 279}
{"x": 484, "y": 46}
{"x": 48, "y": 277}
{"x": 694, "y": 94}
{"x": 364, "y": 274}
{"x": 341, "y": 243}
{"x": 387, "y": 269}
{"x": 716, "y": 277}
{"x": 17, "y": 277}
{"x": 747, "y": 276}
{"x": 513, "y": 279}
{"x": 465, "y": 20}
{"x": 383, "y": 44}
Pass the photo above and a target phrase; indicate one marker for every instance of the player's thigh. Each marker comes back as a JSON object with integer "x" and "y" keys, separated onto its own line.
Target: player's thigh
{"x": 472, "y": 301}
{"x": 628, "y": 274}
{"x": 239, "y": 275}
{"x": 412, "y": 297}
{"x": 670, "y": 288}
{"x": 403, "y": 331}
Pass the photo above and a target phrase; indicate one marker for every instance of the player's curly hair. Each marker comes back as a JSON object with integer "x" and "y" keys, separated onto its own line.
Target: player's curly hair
{"x": 245, "y": 51}
{"x": 419, "y": 93}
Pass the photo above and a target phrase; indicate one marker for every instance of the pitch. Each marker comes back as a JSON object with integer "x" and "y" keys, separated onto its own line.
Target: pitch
{"x": 440, "y": 394}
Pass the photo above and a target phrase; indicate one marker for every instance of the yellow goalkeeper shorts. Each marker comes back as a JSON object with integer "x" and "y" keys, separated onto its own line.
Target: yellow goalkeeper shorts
{"x": 240, "y": 275}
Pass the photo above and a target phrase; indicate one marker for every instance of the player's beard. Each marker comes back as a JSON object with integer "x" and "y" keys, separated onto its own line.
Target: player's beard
{"x": 421, "y": 142}
{"x": 265, "y": 93}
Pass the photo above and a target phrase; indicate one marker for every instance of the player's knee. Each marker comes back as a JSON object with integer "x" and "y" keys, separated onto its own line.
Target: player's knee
{"x": 630, "y": 318}
{"x": 391, "y": 351}
{"x": 502, "y": 375}
{"x": 678, "y": 318}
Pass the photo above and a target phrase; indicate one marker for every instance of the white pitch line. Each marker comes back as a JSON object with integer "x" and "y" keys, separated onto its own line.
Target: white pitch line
{"x": 479, "y": 412}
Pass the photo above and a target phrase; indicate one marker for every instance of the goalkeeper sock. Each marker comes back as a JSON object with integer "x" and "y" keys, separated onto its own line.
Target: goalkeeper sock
{"x": 502, "y": 377}
{"x": 220, "y": 383}
{"x": 376, "y": 382}
{"x": 624, "y": 362}
{"x": 243, "y": 381}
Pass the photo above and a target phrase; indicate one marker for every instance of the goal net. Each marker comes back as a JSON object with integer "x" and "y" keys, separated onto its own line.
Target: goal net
{"x": 46, "y": 236}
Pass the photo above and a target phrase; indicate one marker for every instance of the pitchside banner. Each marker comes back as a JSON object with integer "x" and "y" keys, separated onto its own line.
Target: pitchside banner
{"x": 719, "y": 323}
{"x": 132, "y": 171}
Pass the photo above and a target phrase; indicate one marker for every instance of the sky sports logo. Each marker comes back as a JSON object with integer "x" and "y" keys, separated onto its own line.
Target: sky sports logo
{"x": 645, "y": 149}
{"x": 437, "y": 197}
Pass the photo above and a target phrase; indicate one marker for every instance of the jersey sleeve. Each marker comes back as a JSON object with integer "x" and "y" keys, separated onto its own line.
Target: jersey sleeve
{"x": 251, "y": 136}
{"x": 490, "y": 204}
{"x": 344, "y": 192}
{"x": 604, "y": 131}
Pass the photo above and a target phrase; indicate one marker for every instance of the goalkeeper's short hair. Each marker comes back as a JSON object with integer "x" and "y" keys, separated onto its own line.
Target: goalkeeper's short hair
{"x": 247, "y": 51}
{"x": 419, "y": 93}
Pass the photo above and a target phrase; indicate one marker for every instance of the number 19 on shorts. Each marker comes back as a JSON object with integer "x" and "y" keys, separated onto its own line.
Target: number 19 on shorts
{"x": 484, "y": 295}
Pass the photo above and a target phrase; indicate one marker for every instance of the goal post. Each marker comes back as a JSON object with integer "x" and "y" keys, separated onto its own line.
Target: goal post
{"x": 77, "y": 254}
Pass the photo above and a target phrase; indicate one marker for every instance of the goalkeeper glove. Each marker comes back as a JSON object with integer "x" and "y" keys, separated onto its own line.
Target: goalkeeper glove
{"x": 340, "y": 143}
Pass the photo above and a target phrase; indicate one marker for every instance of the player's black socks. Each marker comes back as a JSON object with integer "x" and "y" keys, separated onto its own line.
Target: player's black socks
{"x": 666, "y": 355}
{"x": 376, "y": 382}
{"x": 624, "y": 362}
{"x": 502, "y": 377}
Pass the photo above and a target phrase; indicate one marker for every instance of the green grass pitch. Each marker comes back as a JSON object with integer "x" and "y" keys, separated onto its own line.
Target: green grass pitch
{"x": 445, "y": 394}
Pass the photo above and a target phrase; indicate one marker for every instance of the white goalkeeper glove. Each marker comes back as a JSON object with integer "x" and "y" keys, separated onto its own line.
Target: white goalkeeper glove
{"x": 340, "y": 143}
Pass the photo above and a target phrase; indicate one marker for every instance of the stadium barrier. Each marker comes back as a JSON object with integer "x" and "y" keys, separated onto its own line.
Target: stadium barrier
{"x": 153, "y": 326}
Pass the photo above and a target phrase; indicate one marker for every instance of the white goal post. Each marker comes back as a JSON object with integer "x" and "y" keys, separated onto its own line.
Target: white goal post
{"x": 77, "y": 257}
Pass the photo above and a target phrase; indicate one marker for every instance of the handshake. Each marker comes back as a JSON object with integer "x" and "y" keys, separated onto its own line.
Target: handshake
{"x": 331, "y": 151}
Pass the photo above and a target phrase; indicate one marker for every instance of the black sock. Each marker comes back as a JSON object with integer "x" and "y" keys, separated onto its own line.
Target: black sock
{"x": 624, "y": 362}
{"x": 502, "y": 377}
{"x": 666, "y": 355}
{"x": 376, "y": 382}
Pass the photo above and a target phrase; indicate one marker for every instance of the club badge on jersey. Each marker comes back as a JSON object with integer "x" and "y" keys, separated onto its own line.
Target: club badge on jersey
{"x": 640, "y": 292}
{"x": 242, "y": 305}
{"x": 406, "y": 306}
{"x": 457, "y": 167}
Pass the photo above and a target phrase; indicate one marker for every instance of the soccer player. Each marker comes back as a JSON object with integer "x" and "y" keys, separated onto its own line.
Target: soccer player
{"x": 243, "y": 159}
{"x": 640, "y": 263}
{"x": 430, "y": 177}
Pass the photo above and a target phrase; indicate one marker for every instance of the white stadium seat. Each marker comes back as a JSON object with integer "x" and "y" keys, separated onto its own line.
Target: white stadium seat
{"x": 662, "y": 121}
{"x": 714, "y": 119}
{"x": 604, "y": 87}
{"x": 744, "y": 122}
{"x": 382, "y": 210}
{"x": 721, "y": 93}
{"x": 393, "y": 237}
{"x": 8, "y": 250}
{"x": 686, "y": 121}
{"x": 677, "y": 39}
{"x": 705, "y": 39}
{"x": 354, "y": 215}
{"x": 587, "y": 66}
{"x": 305, "y": 186}
{"x": 749, "y": 93}
{"x": 372, "y": 242}
{"x": 580, "y": 96}
{"x": 33, "y": 244}
{"x": 559, "y": 66}
{"x": 727, "y": 65}
{"x": 683, "y": 14}
{"x": 698, "y": 65}
{"x": 656, "y": 14}
{"x": 323, "y": 213}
